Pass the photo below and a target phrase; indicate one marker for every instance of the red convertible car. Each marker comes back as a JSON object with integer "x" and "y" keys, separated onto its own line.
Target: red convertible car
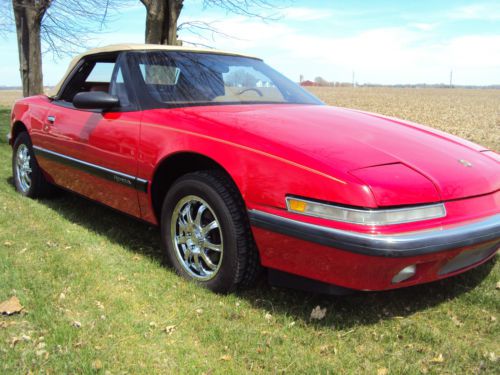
{"x": 244, "y": 170}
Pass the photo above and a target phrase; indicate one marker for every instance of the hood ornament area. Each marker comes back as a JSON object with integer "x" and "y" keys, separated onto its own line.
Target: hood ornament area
{"x": 465, "y": 163}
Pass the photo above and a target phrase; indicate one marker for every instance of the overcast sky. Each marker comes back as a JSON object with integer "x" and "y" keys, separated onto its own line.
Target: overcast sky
{"x": 383, "y": 41}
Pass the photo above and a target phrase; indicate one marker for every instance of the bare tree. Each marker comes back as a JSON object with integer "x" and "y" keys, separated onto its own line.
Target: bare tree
{"x": 161, "y": 21}
{"x": 69, "y": 25}
{"x": 28, "y": 15}
{"x": 250, "y": 8}
{"x": 6, "y": 22}
{"x": 162, "y": 17}
{"x": 62, "y": 25}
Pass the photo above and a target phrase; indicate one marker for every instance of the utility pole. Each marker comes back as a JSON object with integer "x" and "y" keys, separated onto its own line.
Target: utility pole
{"x": 353, "y": 78}
{"x": 451, "y": 78}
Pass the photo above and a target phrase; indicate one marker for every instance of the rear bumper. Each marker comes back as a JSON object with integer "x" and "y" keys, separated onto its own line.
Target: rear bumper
{"x": 369, "y": 262}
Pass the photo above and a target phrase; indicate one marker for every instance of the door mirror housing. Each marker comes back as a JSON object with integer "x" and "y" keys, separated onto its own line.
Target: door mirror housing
{"x": 95, "y": 100}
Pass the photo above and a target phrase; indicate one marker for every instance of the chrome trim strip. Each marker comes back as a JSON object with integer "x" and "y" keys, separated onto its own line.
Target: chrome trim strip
{"x": 401, "y": 245}
{"x": 81, "y": 162}
{"x": 389, "y": 210}
{"x": 109, "y": 174}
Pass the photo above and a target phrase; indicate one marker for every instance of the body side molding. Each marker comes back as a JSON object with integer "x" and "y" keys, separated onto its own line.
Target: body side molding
{"x": 97, "y": 170}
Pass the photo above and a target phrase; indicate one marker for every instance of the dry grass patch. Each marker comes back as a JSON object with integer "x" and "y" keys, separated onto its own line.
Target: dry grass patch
{"x": 8, "y": 97}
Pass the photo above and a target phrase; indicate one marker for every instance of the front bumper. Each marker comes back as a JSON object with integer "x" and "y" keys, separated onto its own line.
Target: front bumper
{"x": 403, "y": 245}
{"x": 369, "y": 262}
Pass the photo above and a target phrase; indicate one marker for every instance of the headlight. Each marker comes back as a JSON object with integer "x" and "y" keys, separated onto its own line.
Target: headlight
{"x": 365, "y": 216}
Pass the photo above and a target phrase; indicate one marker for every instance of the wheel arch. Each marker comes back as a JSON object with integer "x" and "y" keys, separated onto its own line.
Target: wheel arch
{"x": 174, "y": 166}
{"x": 17, "y": 128}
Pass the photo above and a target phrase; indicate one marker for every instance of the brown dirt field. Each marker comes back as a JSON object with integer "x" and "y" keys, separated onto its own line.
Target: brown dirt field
{"x": 470, "y": 114}
{"x": 7, "y": 97}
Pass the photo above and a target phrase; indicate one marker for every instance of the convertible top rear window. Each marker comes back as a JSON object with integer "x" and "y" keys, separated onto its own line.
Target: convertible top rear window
{"x": 190, "y": 78}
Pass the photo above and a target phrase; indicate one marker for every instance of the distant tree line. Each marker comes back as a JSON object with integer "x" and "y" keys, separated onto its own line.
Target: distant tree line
{"x": 321, "y": 82}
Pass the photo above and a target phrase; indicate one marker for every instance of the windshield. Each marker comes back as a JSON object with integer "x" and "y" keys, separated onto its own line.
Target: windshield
{"x": 190, "y": 78}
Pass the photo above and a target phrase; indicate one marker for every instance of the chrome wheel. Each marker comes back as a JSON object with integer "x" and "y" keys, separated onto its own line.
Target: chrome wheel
{"x": 197, "y": 238}
{"x": 23, "y": 167}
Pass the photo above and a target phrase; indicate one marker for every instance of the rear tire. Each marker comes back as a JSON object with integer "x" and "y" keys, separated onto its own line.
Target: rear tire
{"x": 206, "y": 232}
{"x": 28, "y": 177}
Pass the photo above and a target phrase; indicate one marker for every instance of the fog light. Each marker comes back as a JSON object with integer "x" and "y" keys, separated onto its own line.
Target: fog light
{"x": 405, "y": 274}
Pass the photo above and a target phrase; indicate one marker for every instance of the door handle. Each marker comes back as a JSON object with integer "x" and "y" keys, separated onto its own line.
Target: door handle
{"x": 51, "y": 119}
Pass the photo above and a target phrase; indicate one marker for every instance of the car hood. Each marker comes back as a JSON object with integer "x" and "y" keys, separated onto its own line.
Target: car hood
{"x": 340, "y": 141}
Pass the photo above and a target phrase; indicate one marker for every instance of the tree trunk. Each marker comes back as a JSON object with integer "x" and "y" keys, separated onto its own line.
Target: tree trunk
{"x": 155, "y": 18}
{"x": 28, "y": 16}
{"x": 161, "y": 21}
{"x": 174, "y": 10}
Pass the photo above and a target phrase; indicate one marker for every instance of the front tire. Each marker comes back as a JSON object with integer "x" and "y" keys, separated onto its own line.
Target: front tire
{"x": 28, "y": 177}
{"x": 206, "y": 232}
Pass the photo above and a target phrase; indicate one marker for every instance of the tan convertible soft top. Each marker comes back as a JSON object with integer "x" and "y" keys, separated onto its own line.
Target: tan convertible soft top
{"x": 133, "y": 47}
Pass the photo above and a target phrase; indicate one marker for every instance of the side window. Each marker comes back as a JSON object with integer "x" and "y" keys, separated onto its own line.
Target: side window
{"x": 105, "y": 76}
{"x": 91, "y": 76}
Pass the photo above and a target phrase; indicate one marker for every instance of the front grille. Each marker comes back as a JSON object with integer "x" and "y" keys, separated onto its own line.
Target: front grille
{"x": 469, "y": 257}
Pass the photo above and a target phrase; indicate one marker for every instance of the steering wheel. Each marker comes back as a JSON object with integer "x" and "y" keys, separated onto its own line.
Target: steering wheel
{"x": 251, "y": 89}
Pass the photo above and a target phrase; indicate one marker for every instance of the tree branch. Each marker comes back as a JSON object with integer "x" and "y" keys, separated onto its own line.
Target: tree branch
{"x": 248, "y": 8}
{"x": 198, "y": 27}
{"x": 69, "y": 25}
{"x": 6, "y": 19}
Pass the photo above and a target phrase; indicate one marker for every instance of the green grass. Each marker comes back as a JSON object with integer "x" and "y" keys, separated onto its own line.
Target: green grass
{"x": 68, "y": 260}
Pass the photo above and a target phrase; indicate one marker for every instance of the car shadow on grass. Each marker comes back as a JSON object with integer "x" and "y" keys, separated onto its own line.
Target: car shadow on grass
{"x": 345, "y": 312}
{"x": 367, "y": 308}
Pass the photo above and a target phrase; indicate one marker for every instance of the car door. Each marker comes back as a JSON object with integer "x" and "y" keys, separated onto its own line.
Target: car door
{"x": 94, "y": 152}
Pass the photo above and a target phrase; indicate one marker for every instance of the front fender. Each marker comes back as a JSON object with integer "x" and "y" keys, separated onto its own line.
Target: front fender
{"x": 263, "y": 177}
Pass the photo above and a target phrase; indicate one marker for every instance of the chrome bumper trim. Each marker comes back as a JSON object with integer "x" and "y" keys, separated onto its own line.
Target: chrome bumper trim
{"x": 400, "y": 245}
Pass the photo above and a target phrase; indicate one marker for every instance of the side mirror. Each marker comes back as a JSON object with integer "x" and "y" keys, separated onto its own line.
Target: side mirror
{"x": 95, "y": 100}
